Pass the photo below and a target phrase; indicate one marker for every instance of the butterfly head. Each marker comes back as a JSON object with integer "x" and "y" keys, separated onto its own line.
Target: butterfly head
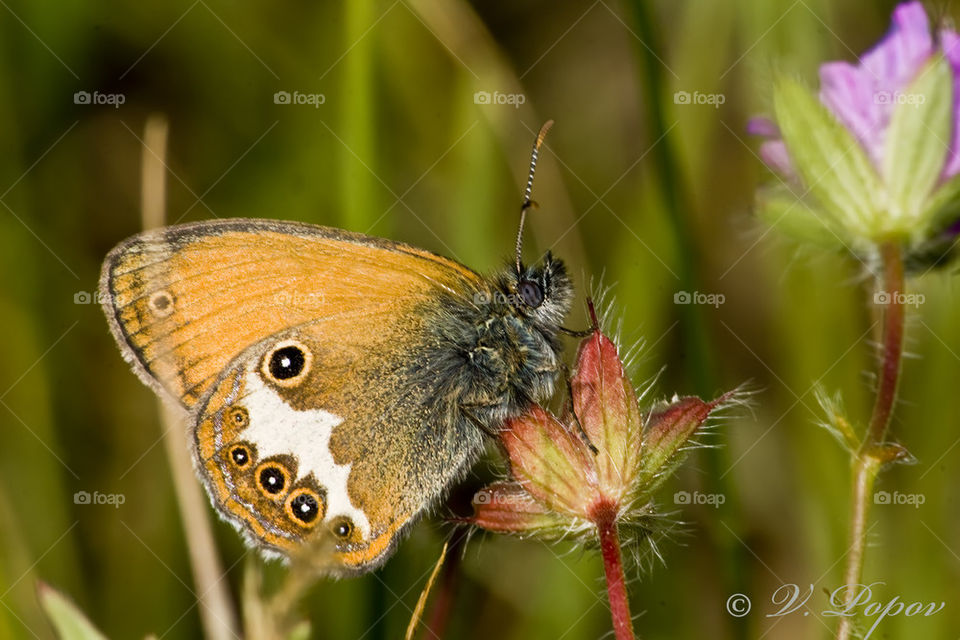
{"x": 541, "y": 292}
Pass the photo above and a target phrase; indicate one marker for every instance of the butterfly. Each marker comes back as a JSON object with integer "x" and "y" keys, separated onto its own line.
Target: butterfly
{"x": 333, "y": 381}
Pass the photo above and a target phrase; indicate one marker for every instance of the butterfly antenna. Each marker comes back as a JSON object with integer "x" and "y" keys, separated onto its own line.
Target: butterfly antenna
{"x": 528, "y": 192}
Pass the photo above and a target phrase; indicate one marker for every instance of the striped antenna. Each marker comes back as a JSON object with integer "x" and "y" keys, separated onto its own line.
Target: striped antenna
{"x": 528, "y": 192}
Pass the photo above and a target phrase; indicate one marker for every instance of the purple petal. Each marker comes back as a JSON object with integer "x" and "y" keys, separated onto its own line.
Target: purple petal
{"x": 763, "y": 127}
{"x": 950, "y": 42}
{"x": 897, "y": 58}
{"x": 851, "y": 94}
{"x": 863, "y": 97}
{"x": 774, "y": 154}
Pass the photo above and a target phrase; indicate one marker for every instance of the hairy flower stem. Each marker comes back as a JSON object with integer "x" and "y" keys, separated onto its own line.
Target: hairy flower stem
{"x": 870, "y": 457}
{"x": 892, "y": 286}
{"x": 864, "y": 475}
{"x": 606, "y": 521}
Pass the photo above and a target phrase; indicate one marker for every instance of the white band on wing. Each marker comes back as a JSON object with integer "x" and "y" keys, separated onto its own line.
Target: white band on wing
{"x": 278, "y": 429}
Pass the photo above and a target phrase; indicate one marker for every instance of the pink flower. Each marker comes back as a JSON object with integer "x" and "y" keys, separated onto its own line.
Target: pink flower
{"x": 875, "y": 157}
{"x": 863, "y": 96}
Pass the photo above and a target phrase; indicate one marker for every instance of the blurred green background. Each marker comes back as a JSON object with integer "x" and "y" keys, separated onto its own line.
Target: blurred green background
{"x": 638, "y": 191}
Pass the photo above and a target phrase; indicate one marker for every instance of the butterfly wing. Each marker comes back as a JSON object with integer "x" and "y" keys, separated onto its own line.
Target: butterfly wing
{"x": 307, "y": 357}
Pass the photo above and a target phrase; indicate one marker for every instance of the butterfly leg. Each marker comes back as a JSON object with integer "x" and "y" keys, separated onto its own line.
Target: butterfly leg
{"x": 480, "y": 424}
{"x": 493, "y": 434}
{"x": 580, "y": 430}
{"x": 583, "y": 333}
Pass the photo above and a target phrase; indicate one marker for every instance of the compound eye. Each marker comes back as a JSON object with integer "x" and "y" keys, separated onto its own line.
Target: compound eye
{"x": 531, "y": 293}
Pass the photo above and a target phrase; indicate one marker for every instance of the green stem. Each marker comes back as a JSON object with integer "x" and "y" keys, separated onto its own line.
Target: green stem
{"x": 864, "y": 474}
{"x": 870, "y": 457}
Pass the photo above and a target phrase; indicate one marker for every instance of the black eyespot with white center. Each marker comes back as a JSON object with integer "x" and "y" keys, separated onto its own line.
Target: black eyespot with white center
{"x": 271, "y": 479}
{"x": 238, "y": 417}
{"x": 240, "y": 455}
{"x": 287, "y": 363}
{"x": 342, "y": 527}
{"x": 305, "y": 507}
{"x": 531, "y": 293}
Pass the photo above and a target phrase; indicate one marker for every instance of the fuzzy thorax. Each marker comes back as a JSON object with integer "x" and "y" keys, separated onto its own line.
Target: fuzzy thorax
{"x": 506, "y": 351}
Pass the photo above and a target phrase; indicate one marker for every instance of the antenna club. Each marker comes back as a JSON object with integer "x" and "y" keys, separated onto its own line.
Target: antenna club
{"x": 543, "y": 134}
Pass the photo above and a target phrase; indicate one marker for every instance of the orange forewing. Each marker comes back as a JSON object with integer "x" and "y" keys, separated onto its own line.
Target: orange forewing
{"x": 234, "y": 282}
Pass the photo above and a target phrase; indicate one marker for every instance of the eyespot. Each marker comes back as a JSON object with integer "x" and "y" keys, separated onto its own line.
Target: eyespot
{"x": 342, "y": 527}
{"x": 305, "y": 507}
{"x": 287, "y": 363}
{"x": 271, "y": 479}
{"x": 531, "y": 293}
{"x": 238, "y": 417}
{"x": 161, "y": 303}
{"x": 240, "y": 456}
